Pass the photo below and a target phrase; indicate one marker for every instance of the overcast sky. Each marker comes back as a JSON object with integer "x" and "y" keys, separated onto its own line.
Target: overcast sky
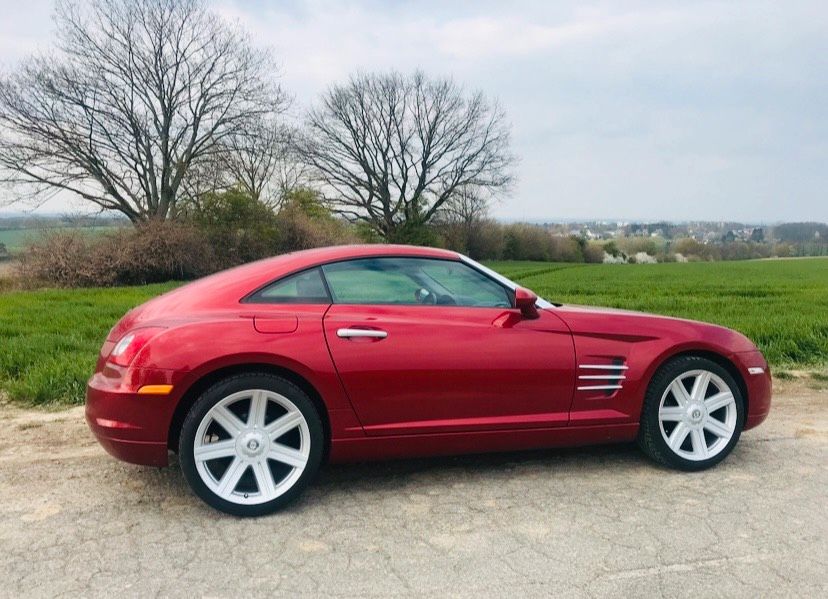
{"x": 620, "y": 110}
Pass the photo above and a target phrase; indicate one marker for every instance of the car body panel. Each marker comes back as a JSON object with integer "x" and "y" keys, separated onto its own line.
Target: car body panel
{"x": 643, "y": 342}
{"x": 446, "y": 380}
{"x": 450, "y": 368}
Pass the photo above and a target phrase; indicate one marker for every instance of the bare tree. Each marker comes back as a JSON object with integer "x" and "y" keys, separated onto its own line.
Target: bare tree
{"x": 261, "y": 159}
{"x": 463, "y": 219}
{"x": 467, "y": 207}
{"x": 136, "y": 94}
{"x": 392, "y": 150}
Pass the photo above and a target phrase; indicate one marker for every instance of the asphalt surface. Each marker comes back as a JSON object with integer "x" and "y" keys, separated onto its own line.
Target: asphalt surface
{"x": 574, "y": 523}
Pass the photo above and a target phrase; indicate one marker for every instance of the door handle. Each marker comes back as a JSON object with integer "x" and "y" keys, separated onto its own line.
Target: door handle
{"x": 354, "y": 333}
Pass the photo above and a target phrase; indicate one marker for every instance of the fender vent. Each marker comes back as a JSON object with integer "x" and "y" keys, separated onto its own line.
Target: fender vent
{"x": 602, "y": 377}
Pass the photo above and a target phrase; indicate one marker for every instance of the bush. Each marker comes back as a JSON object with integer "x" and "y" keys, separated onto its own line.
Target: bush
{"x": 156, "y": 252}
{"x": 594, "y": 252}
{"x": 486, "y": 241}
{"x": 695, "y": 250}
{"x": 415, "y": 234}
{"x": 530, "y": 242}
{"x": 304, "y": 223}
{"x": 153, "y": 252}
{"x": 481, "y": 239}
{"x": 238, "y": 227}
{"x": 634, "y": 245}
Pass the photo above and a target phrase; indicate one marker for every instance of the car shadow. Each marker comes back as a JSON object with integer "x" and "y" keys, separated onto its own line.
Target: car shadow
{"x": 582, "y": 458}
{"x": 338, "y": 482}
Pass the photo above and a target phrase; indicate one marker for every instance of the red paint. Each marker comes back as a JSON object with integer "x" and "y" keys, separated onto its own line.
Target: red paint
{"x": 445, "y": 380}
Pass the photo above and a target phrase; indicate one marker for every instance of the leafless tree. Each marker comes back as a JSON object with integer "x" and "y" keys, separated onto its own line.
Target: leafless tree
{"x": 393, "y": 150}
{"x": 261, "y": 159}
{"x": 135, "y": 95}
{"x": 467, "y": 207}
{"x": 463, "y": 220}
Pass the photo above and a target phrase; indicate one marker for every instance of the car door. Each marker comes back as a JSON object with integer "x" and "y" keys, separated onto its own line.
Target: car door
{"x": 427, "y": 345}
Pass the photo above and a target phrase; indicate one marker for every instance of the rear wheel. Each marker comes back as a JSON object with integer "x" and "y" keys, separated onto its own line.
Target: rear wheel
{"x": 251, "y": 444}
{"x": 693, "y": 414}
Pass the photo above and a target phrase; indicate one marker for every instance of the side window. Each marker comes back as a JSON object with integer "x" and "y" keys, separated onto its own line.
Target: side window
{"x": 465, "y": 285}
{"x": 412, "y": 281}
{"x": 371, "y": 281}
{"x": 306, "y": 287}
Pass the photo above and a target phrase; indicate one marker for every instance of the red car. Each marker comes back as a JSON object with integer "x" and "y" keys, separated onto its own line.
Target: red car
{"x": 258, "y": 374}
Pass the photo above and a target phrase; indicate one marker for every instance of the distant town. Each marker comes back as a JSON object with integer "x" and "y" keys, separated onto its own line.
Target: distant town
{"x": 701, "y": 231}
{"x": 588, "y": 240}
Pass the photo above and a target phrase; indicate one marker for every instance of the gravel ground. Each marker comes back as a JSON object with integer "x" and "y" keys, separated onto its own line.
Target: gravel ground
{"x": 575, "y": 523}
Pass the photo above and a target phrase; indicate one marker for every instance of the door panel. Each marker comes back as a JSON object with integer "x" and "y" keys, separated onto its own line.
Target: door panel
{"x": 444, "y": 368}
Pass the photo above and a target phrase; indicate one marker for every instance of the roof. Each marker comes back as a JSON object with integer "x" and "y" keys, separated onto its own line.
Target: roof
{"x": 285, "y": 263}
{"x": 229, "y": 286}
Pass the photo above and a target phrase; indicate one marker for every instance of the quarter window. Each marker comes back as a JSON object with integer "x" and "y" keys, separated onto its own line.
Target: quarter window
{"x": 306, "y": 287}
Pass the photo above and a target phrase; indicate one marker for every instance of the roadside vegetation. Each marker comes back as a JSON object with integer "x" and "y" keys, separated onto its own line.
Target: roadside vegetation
{"x": 50, "y": 338}
{"x": 228, "y": 175}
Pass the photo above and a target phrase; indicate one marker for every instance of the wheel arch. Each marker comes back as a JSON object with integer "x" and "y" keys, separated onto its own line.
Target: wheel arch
{"x": 208, "y": 379}
{"x": 713, "y": 356}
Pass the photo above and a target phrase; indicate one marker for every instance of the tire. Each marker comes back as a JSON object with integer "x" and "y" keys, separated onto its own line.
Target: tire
{"x": 251, "y": 444}
{"x": 687, "y": 423}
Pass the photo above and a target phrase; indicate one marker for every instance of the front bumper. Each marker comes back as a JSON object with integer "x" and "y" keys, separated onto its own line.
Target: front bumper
{"x": 129, "y": 426}
{"x": 759, "y": 386}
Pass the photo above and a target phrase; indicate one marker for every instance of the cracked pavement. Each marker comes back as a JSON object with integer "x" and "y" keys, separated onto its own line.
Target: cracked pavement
{"x": 577, "y": 523}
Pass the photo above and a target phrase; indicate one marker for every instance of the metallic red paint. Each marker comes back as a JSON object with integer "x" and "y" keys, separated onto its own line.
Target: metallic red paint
{"x": 446, "y": 380}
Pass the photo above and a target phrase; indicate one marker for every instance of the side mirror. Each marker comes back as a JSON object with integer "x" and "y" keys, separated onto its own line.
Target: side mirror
{"x": 525, "y": 302}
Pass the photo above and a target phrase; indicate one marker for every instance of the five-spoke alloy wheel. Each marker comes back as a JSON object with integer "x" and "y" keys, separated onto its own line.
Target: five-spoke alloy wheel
{"x": 250, "y": 444}
{"x": 693, "y": 414}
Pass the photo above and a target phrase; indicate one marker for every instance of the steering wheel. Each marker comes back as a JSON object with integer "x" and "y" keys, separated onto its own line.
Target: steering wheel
{"x": 425, "y": 297}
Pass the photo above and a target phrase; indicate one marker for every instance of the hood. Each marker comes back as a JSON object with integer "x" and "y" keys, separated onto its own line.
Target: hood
{"x": 632, "y": 325}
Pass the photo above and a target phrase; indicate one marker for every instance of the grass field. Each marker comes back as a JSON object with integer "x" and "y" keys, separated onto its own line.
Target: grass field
{"x": 16, "y": 240}
{"x": 782, "y": 305}
{"x": 49, "y": 339}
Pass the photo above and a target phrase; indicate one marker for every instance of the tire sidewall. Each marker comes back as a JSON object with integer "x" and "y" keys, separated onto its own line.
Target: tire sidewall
{"x": 214, "y": 395}
{"x": 650, "y": 421}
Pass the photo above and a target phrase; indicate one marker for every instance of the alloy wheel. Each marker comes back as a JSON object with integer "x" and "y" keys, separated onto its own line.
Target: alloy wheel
{"x": 697, "y": 415}
{"x": 252, "y": 446}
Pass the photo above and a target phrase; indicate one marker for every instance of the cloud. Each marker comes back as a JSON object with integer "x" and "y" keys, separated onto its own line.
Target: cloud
{"x": 629, "y": 109}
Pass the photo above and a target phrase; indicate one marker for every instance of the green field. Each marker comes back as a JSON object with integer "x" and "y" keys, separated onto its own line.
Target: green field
{"x": 16, "y": 240}
{"x": 49, "y": 339}
{"x": 782, "y": 305}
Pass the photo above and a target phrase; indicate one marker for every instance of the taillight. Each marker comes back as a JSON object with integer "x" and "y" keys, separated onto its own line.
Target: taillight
{"x": 130, "y": 344}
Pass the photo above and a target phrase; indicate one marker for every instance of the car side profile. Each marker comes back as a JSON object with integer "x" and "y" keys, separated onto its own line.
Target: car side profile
{"x": 257, "y": 375}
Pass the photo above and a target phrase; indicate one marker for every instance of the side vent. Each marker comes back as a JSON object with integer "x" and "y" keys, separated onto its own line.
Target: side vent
{"x": 602, "y": 377}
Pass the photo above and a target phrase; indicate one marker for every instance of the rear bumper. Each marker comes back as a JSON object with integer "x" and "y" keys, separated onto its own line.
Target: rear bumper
{"x": 130, "y": 427}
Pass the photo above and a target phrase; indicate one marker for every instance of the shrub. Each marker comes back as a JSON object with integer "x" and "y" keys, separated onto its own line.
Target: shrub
{"x": 481, "y": 239}
{"x": 695, "y": 250}
{"x": 415, "y": 234}
{"x": 644, "y": 258}
{"x": 61, "y": 258}
{"x": 634, "y": 245}
{"x": 304, "y": 223}
{"x": 239, "y": 227}
{"x": 153, "y": 252}
{"x": 594, "y": 253}
{"x": 783, "y": 250}
{"x": 486, "y": 241}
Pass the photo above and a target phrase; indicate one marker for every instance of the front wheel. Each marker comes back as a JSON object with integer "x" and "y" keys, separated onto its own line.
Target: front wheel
{"x": 693, "y": 414}
{"x": 250, "y": 444}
